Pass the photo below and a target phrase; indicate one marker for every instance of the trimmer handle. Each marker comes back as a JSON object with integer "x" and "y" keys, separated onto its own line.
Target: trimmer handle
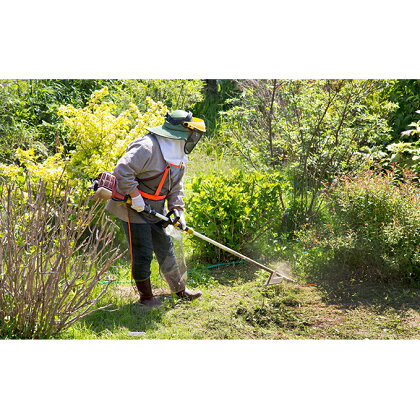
{"x": 149, "y": 210}
{"x": 170, "y": 221}
{"x": 167, "y": 220}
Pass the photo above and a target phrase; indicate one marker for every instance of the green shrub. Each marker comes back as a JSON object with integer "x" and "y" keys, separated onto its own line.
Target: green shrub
{"x": 174, "y": 93}
{"x": 406, "y": 94}
{"x": 29, "y": 107}
{"x": 373, "y": 231}
{"x": 233, "y": 208}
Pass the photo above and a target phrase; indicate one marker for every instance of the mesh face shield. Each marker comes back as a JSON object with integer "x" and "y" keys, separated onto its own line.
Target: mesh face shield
{"x": 196, "y": 125}
{"x": 198, "y": 128}
{"x": 192, "y": 141}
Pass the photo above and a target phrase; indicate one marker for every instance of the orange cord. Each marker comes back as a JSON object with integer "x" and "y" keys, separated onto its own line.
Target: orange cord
{"x": 130, "y": 242}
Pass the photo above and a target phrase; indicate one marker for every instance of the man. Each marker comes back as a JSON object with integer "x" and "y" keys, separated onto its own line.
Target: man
{"x": 151, "y": 172}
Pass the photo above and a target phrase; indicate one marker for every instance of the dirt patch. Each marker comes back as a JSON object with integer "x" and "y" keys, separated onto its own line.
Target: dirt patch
{"x": 130, "y": 292}
{"x": 413, "y": 319}
{"x": 125, "y": 292}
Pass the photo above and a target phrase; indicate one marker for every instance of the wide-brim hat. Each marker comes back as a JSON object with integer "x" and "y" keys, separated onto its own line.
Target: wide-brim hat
{"x": 173, "y": 131}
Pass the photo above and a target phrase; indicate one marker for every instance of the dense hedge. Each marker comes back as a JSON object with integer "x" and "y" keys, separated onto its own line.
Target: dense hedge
{"x": 233, "y": 208}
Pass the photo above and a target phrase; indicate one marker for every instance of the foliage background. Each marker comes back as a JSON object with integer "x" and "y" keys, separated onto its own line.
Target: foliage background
{"x": 317, "y": 172}
{"x": 302, "y": 136}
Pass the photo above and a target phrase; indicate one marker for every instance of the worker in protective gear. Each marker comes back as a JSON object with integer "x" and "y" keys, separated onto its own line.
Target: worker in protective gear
{"x": 151, "y": 172}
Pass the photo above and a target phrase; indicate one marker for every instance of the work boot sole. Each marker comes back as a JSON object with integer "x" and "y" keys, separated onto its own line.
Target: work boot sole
{"x": 149, "y": 303}
{"x": 190, "y": 295}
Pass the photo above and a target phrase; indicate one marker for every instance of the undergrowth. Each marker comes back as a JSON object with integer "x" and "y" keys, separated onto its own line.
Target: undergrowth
{"x": 373, "y": 232}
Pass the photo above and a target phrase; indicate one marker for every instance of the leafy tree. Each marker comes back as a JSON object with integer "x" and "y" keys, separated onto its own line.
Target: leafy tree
{"x": 28, "y": 112}
{"x": 174, "y": 93}
{"x": 312, "y": 129}
{"x": 406, "y": 94}
{"x": 217, "y": 94}
{"x": 407, "y": 154}
{"x": 96, "y": 136}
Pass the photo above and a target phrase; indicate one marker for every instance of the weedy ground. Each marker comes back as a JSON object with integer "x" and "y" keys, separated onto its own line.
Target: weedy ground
{"x": 236, "y": 305}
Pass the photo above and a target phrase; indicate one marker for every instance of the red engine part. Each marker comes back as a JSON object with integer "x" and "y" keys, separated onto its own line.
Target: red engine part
{"x": 109, "y": 182}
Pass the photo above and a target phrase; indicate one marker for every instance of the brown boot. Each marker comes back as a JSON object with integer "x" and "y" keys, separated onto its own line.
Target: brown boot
{"x": 153, "y": 302}
{"x": 146, "y": 295}
{"x": 189, "y": 294}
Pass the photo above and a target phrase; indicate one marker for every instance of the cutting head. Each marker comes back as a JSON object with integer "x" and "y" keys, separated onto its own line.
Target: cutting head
{"x": 277, "y": 278}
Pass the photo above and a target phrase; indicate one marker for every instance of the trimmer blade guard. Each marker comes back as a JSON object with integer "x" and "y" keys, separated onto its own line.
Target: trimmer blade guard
{"x": 277, "y": 278}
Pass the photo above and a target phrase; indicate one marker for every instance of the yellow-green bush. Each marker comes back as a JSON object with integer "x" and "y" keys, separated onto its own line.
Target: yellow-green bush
{"x": 98, "y": 138}
{"x": 233, "y": 208}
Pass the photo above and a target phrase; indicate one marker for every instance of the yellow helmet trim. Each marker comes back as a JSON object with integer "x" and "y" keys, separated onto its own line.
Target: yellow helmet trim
{"x": 197, "y": 124}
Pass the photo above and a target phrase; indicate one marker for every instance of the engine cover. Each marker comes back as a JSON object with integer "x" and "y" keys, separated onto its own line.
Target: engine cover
{"x": 105, "y": 187}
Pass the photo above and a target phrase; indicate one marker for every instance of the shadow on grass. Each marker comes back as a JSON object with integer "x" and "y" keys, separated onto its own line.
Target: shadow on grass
{"x": 233, "y": 275}
{"x": 131, "y": 316}
{"x": 350, "y": 291}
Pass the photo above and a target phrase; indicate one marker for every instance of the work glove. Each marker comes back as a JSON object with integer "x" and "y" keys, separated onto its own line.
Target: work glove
{"x": 137, "y": 203}
{"x": 181, "y": 221}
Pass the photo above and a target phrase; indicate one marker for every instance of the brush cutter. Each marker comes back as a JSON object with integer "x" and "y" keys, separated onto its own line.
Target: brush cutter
{"x": 105, "y": 189}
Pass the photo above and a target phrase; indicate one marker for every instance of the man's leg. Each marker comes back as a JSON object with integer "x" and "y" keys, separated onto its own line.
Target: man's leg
{"x": 164, "y": 250}
{"x": 142, "y": 254}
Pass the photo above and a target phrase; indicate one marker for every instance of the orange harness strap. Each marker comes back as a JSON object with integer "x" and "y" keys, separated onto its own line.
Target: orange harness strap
{"x": 156, "y": 196}
{"x": 165, "y": 174}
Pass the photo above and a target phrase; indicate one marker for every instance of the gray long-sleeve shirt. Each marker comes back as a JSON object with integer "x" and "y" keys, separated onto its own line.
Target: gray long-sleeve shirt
{"x": 143, "y": 159}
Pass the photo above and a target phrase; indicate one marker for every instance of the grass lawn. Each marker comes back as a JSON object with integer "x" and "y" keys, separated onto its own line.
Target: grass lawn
{"x": 236, "y": 305}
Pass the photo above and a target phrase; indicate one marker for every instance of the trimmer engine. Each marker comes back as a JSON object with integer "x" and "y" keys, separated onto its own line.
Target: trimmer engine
{"x": 105, "y": 187}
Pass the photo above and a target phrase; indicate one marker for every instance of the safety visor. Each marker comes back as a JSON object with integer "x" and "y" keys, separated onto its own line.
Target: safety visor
{"x": 192, "y": 141}
{"x": 195, "y": 124}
